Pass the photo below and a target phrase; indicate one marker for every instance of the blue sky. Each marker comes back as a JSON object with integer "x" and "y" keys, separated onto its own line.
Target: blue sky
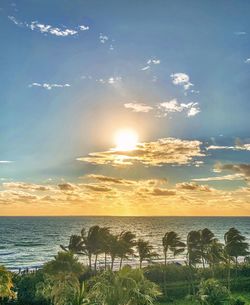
{"x": 75, "y": 72}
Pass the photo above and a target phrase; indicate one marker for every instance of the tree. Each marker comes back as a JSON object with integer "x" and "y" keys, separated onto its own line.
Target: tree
{"x": 126, "y": 241}
{"x": 125, "y": 287}
{"x": 206, "y": 239}
{"x": 211, "y": 292}
{"x": 92, "y": 242}
{"x": 215, "y": 254}
{"x": 64, "y": 262}
{"x": 145, "y": 251}
{"x": 75, "y": 245}
{"x": 171, "y": 241}
{"x": 193, "y": 248}
{"x": 235, "y": 244}
{"x": 6, "y": 284}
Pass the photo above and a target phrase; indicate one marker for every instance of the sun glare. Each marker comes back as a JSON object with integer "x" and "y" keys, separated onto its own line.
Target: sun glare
{"x": 126, "y": 139}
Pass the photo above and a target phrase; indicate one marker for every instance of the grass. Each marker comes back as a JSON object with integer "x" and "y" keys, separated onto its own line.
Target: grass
{"x": 244, "y": 295}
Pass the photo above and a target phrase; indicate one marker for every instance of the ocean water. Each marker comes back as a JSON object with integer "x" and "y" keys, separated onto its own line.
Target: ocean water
{"x": 31, "y": 241}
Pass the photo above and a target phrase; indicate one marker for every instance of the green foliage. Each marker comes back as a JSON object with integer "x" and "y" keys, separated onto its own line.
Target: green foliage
{"x": 26, "y": 286}
{"x": 64, "y": 262}
{"x": 6, "y": 284}
{"x": 145, "y": 251}
{"x": 238, "y": 301}
{"x": 128, "y": 286}
{"x": 211, "y": 292}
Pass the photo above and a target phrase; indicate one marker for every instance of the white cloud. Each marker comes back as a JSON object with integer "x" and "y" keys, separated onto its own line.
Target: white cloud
{"x": 191, "y": 109}
{"x": 111, "y": 80}
{"x": 181, "y": 79}
{"x": 247, "y": 61}
{"x": 236, "y": 147}
{"x": 138, "y": 107}
{"x": 145, "y": 68}
{"x": 49, "y": 29}
{"x": 240, "y": 33}
{"x": 163, "y": 151}
{"x": 83, "y": 28}
{"x": 5, "y": 161}
{"x": 221, "y": 178}
{"x": 103, "y": 38}
{"x": 48, "y": 86}
{"x": 150, "y": 62}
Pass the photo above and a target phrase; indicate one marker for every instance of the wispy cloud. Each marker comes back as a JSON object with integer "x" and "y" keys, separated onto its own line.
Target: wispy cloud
{"x": 5, "y": 161}
{"x": 103, "y": 38}
{"x": 221, "y": 178}
{"x": 163, "y": 151}
{"x": 235, "y": 147}
{"x": 111, "y": 80}
{"x": 166, "y": 108}
{"x": 138, "y": 107}
{"x": 247, "y": 61}
{"x": 150, "y": 62}
{"x": 240, "y": 33}
{"x": 48, "y": 86}
{"x": 193, "y": 186}
{"x": 49, "y": 29}
{"x": 181, "y": 79}
{"x": 243, "y": 169}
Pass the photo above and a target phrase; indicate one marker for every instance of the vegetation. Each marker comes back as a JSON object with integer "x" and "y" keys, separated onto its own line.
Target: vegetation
{"x": 211, "y": 274}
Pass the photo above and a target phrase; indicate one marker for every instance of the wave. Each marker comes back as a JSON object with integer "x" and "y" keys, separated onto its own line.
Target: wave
{"x": 28, "y": 244}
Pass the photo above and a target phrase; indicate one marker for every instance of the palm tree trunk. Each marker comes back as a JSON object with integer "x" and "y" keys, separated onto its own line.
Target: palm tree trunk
{"x": 90, "y": 261}
{"x": 105, "y": 260}
{"x": 165, "y": 257}
{"x": 112, "y": 263}
{"x": 95, "y": 261}
{"x": 121, "y": 263}
{"x": 140, "y": 263}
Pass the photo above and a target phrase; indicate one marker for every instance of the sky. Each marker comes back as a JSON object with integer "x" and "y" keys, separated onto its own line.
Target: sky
{"x": 125, "y": 107}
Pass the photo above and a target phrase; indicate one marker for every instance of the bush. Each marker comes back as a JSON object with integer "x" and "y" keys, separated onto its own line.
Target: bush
{"x": 211, "y": 292}
{"x": 238, "y": 301}
{"x": 26, "y": 286}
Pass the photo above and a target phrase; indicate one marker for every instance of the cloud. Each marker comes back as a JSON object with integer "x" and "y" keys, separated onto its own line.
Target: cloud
{"x": 193, "y": 186}
{"x": 67, "y": 186}
{"x": 138, "y": 107}
{"x": 162, "y": 192}
{"x": 221, "y": 178}
{"x": 5, "y": 161}
{"x": 150, "y": 62}
{"x": 238, "y": 146}
{"x": 103, "y": 38}
{"x": 247, "y": 61}
{"x": 111, "y": 80}
{"x": 240, "y": 33}
{"x": 181, "y": 79}
{"x": 97, "y": 188}
{"x": 110, "y": 179}
{"x": 49, "y": 86}
{"x": 243, "y": 168}
{"x": 49, "y": 29}
{"x": 191, "y": 109}
{"x": 163, "y": 151}
{"x": 26, "y": 186}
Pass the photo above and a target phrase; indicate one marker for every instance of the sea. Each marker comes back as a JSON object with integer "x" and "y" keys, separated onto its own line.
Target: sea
{"x": 29, "y": 242}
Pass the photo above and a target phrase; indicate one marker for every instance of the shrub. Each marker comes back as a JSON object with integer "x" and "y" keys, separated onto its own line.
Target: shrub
{"x": 211, "y": 292}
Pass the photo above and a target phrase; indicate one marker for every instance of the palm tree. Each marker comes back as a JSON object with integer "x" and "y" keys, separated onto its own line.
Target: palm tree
{"x": 113, "y": 248}
{"x": 206, "y": 239}
{"x": 145, "y": 251}
{"x": 193, "y": 248}
{"x": 215, "y": 254}
{"x": 126, "y": 242}
{"x": 171, "y": 241}
{"x": 235, "y": 244}
{"x": 125, "y": 287}
{"x": 92, "y": 242}
{"x": 75, "y": 245}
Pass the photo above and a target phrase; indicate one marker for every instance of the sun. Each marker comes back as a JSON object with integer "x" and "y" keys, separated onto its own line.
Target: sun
{"x": 126, "y": 139}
